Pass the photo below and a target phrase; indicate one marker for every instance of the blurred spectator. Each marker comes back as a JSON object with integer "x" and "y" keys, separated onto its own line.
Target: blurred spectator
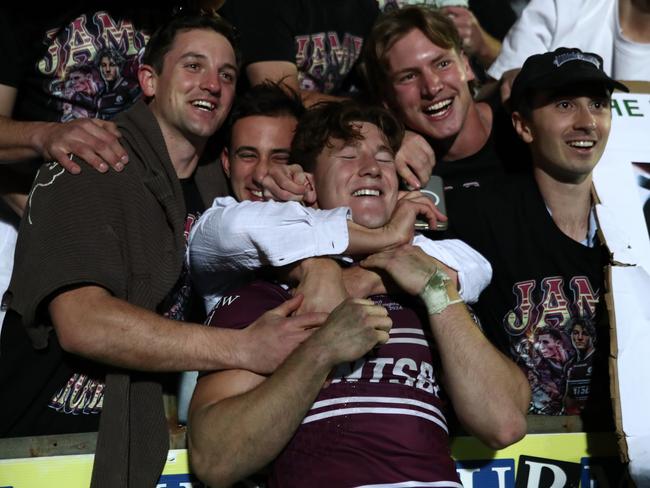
{"x": 310, "y": 45}
{"x": 617, "y": 30}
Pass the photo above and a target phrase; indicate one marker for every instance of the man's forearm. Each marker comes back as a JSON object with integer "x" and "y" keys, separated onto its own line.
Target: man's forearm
{"x": 93, "y": 324}
{"x": 238, "y": 436}
{"x": 17, "y": 139}
{"x": 363, "y": 241}
{"x": 267, "y": 233}
{"x": 489, "y": 393}
{"x": 488, "y": 51}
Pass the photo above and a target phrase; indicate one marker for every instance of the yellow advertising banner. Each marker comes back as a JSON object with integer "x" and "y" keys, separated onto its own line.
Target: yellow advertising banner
{"x": 538, "y": 460}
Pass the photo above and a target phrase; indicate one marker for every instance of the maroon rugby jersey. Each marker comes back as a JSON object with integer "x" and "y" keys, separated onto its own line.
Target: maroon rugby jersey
{"x": 380, "y": 422}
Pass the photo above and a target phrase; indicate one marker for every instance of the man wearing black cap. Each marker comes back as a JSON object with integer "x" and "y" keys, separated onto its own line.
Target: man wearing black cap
{"x": 539, "y": 230}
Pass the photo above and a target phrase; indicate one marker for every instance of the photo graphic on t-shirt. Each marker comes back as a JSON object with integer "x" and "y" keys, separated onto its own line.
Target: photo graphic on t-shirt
{"x": 90, "y": 66}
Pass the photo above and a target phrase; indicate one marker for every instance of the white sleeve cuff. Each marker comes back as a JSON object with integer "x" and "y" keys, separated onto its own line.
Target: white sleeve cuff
{"x": 474, "y": 271}
{"x": 331, "y": 229}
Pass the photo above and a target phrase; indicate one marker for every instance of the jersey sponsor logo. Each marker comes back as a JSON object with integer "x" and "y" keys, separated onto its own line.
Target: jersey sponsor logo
{"x": 392, "y": 306}
{"x": 409, "y": 371}
{"x": 402, "y": 371}
{"x": 553, "y": 338}
{"x": 323, "y": 61}
{"x": 404, "y": 360}
{"x": 220, "y": 303}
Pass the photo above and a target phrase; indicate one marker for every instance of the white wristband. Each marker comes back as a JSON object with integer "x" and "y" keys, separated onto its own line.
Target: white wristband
{"x": 434, "y": 294}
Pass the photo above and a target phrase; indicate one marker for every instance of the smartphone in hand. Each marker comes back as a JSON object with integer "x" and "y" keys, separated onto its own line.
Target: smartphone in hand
{"x": 434, "y": 190}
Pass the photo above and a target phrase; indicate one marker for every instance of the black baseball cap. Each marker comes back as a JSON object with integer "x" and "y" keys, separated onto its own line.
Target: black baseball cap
{"x": 559, "y": 68}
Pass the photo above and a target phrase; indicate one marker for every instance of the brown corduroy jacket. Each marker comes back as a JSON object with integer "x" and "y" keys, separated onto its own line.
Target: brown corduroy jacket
{"x": 124, "y": 232}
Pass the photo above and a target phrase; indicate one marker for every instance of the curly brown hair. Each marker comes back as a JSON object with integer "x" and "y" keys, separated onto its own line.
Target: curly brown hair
{"x": 335, "y": 120}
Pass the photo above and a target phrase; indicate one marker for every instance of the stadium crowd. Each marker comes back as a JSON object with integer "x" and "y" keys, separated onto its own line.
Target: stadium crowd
{"x": 324, "y": 216}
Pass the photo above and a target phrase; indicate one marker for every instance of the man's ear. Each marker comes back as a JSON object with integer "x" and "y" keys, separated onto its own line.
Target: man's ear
{"x": 522, "y": 127}
{"x": 310, "y": 194}
{"x": 469, "y": 72}
{"x": 147, "y": 78}
{"x": 225, "y": 161}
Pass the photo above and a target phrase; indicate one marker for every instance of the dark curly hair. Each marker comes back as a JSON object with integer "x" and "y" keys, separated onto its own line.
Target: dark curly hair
{"x": 335, "y": 120}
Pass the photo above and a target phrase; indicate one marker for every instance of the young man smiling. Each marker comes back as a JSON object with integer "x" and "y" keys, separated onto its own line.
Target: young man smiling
{"x": 262, "y": 126}
{"x": 99, "y": 270}
{"x": 270, "y": 233}
{"x": 380, "y": 419}
{"x": 413, "y": 63}
{"x": 539, "y": 232}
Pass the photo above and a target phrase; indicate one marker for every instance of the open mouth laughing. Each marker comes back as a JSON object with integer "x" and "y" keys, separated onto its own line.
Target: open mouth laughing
{"x": 438, "y": 109}
{"x": 204, "y": 105}
{"x": 582, "y": 144}
{"x": 367, "y": 192}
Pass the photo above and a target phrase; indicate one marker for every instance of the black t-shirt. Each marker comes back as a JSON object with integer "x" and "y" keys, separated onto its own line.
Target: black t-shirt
{"x": 323, "y": 38}
{"x": 58, "y": 392}
{"x": 78, "y": 61}
{"x": 52, "y": 382}
{"x": 502, "y": 153}
{"x": 543, "y": 284}
{"x": 481, "y": 168}
{"x": 69, "y": 61}
{"x": 183, "y": 303}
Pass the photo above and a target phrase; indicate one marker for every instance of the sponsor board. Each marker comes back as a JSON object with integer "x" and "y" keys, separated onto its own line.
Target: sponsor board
{"x": 537, "y": 461}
